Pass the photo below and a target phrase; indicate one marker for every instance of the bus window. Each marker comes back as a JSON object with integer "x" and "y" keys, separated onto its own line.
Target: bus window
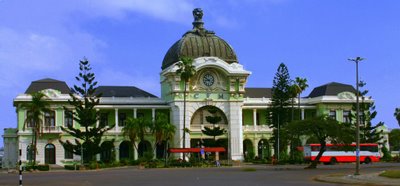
{"x": 314, "y": 148}
{"x": 369, "y": 148}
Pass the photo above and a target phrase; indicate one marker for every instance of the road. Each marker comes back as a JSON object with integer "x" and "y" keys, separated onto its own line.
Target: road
{"x": 264, "y": 175}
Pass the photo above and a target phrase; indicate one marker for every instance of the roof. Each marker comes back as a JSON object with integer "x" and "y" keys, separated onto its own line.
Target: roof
{"x": 123, "y": 91}
{"x": 48, "y": 83}
{"x": 199, "y": 42}
{"x": 331, "y": 89}
{"x": 258, "y": 92}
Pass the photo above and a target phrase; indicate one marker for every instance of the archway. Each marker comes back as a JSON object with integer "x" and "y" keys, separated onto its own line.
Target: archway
{"x": 214, "y": 119}
{"x": 50, "y": 154}
{"x": 107, "y": 149}
{"x": 144, "y": 146}
{"x": 264, "y": 149}
{"x": 125, "y": 150}
{"x": 248, "y": 149}
{"x": 199, "y": 118}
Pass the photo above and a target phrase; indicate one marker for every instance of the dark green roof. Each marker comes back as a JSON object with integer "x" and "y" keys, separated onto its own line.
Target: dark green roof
{"x": 331, "y": 89}
{"x": 48, "y": 83}
{"x": 199, "y": 42}
{"x": 123, "y": 91}
{"x": 258, "y": 93}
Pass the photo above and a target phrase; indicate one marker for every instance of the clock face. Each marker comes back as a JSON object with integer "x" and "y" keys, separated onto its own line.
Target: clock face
{"x": 208, "y": 80}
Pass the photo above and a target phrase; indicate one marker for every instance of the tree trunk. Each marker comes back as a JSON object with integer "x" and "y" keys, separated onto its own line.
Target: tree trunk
{"x": 314, "y": 163}
{"x": 184, "y": 120}
{"x": 165, "y": 153}
{"x": 35, "y": 132}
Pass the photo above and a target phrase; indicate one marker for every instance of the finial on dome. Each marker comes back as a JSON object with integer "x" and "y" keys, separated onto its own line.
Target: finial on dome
{"x": 198, "y": 16}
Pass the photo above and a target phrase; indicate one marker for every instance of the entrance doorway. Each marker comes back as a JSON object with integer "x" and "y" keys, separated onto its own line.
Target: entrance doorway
{"x": 50, "y": 154}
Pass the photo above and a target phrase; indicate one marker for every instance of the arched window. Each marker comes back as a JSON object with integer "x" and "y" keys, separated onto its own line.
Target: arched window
{"x": 29, "y": 153}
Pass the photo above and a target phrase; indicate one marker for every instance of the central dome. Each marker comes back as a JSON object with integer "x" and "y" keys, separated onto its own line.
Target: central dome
{"x": 199, "y": 42}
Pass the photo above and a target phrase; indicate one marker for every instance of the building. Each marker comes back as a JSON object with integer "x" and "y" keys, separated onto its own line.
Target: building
{"x": 219, "y": 83}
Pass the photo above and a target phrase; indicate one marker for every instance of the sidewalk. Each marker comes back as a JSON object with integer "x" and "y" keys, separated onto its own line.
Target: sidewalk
{"x": 368, "y": 179}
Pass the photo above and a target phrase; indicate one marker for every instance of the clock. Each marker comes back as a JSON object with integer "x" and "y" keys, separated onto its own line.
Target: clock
{"x": 208, "y": 80}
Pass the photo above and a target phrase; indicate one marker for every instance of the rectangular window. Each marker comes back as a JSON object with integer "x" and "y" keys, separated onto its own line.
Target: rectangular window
{"x": 346, "y": 116}
{"x": 68, "y": 118}
{"x": 332, "y": 114}
{"x": 49, "y": 119}
{"x": 68, "y": 154}
{"x": 30, "y": 123}
{"x": 103, "y": 119}
{"x": 121, "y": 119}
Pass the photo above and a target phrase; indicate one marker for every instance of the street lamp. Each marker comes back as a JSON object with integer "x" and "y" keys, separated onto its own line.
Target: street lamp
{"x": 357, "y": 60}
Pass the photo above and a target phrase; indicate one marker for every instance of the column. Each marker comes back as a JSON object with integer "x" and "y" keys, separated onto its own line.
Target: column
{"x": 153, "y": 114}
{"x": 302, "y": 114}
{"x": 255, "y": 148}
{"x": 116, "y": 148}
{"x": 255, "y": 118}
{"x": 235, "y": 131}
{"x": 134, "y": 112}
{"x": 116, "y": 120}
{"x": 135, "y": 152}
{"x": 98, "y": 121}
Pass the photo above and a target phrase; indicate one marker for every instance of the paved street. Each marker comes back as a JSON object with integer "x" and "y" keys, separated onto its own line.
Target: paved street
{"x": 264, "y": 175}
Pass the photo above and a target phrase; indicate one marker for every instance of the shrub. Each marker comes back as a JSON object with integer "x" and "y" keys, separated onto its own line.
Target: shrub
{"x": 386, "y": 154}
{"x": 93, "y": 165}
{"x": 43, "y": 167}
{"x": 133, "y": 162}
{"x": 71, "y": 167}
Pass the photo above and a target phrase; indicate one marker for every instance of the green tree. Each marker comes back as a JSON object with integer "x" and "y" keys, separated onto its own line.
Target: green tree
{"x": 136, "y": 129}
{"x": 213, "y": 119}
{"x": 369, "y": 133}
{"x": 186, "y": 71}
{"x": 162, "y": 128}
{"x": 279, "y": 113}
{"x": 35, "y": 110}
{"x": 397, "y": 115}
{"x": 394, "y": 139}
{"x": 301, "y": 85}
{"x": 84, "y": 100}
{"x": 164, "y": 131}
{"x": 323, "y": 129}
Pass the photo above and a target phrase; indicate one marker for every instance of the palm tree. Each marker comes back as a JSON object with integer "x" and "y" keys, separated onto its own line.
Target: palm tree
{"x": 301, "y": 85}
{"x": 186, "y": 71}
{"x": 135, "y": 129}
{"x": 397, "y": 115}
{"x": 35, "y": 110}
{"x": 163, "y": 131}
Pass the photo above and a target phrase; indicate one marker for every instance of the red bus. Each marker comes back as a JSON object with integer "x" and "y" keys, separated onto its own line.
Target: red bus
{"x": 368, "y": 153}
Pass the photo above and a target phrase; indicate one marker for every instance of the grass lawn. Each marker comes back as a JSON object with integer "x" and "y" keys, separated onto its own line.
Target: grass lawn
{"x": 391, "y": 174}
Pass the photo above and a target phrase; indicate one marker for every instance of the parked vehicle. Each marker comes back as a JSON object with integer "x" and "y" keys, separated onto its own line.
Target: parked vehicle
{"x": 338, "y": 153}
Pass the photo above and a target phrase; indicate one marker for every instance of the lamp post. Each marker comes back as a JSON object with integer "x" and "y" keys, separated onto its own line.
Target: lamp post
{"x": 357, "y": 60}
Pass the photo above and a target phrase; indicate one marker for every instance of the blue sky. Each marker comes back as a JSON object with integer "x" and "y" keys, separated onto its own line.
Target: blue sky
{"x": 126, "y": 40}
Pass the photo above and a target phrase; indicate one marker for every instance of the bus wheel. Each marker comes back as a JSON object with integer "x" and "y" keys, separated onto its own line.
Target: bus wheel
{"x": 333, "y": 161}
{"x": 367, "y": 160}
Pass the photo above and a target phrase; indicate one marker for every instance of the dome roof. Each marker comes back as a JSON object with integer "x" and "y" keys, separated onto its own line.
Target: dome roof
{"x": 199, "y": 42}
